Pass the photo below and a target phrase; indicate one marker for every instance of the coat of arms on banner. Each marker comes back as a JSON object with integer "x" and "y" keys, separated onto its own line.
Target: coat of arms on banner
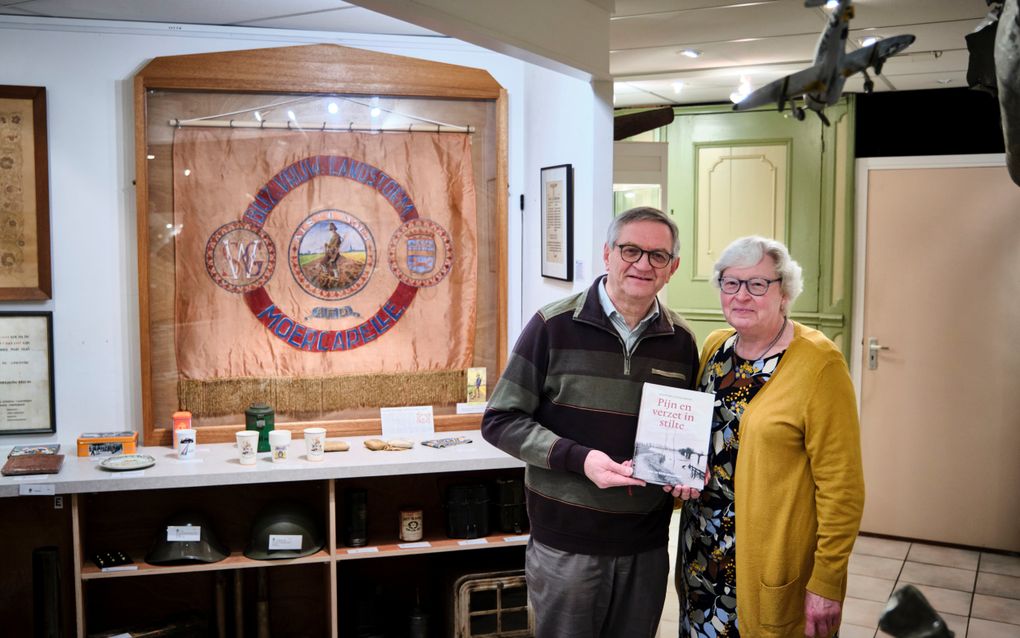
{"x": 362, "y": 223}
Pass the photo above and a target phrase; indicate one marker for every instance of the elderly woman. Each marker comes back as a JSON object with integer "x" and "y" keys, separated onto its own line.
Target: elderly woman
{"x": 764, "y": 550}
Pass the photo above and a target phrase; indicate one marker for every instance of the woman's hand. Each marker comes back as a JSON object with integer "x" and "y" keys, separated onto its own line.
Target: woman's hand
{"x": 681, "y": 492}
{"x": 821, "y": 616}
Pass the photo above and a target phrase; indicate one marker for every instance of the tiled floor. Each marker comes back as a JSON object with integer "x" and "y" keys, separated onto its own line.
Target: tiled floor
{"x": 976, "y": 593}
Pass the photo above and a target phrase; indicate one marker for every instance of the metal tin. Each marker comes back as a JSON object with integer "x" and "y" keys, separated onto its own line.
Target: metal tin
{"x": 356, "y": 523}
{"x": 411, "y": 525}
{"x": 260, "y": 417}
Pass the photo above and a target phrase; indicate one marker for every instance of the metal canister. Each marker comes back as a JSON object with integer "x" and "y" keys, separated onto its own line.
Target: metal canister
{"x": 181, "y": 421}
{"x": 411, "y": 524}
{"x": 260, "y": 417}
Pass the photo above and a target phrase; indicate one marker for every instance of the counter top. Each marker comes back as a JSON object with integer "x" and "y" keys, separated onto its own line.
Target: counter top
{"x": 217, "y": 464}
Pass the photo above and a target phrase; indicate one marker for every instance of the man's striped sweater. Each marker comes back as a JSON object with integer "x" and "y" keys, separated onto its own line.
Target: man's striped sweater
{"x": 570, "y": 387}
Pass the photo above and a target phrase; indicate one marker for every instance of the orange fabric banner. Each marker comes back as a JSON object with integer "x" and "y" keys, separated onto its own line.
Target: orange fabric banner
{"x": 306, "y": 254}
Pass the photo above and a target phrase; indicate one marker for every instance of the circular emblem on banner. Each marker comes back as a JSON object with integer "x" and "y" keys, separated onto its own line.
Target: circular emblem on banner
{"x": 240, "y": 257}
{"x": 421, "y": 253}
{"x": 332, "y": 254}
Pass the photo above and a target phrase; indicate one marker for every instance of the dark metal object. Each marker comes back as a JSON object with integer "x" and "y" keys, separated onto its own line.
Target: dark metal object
{"x": 46, "y": 592}
{"x": 512, "y": 515}
{"x": 632, "y": 124}
{"x": 1007, "y": 70}
{"x": 356, "y": 520}
{"x": 261, "y": 418}
{"x": 467, "y": 511}
{"x": 908, "y": 615}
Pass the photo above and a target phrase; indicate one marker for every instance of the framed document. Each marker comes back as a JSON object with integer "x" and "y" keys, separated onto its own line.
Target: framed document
{"x": 26, "y": 373}
{"x": 557, "y": 194}
{"x": 24, "y": 195}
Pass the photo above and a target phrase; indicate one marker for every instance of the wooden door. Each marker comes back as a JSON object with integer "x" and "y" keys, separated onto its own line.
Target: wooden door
{"x": 939, "y": 413}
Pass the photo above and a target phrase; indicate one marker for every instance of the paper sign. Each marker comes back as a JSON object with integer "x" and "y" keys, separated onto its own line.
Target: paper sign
{"x": 127, "y": 474}
{"x": 417, "y": 545}
{"x": 285, "y": 541}
{"x": 184, "y": 533}
{"x": 516, "y": 539}
{"x": 471, "y": 408}
{"x": 363, "y": 550}
{"x": 411, "y": 422}
{"x": 120, "y": 568}
{"x": 36, "y": 490}
{"x": 474, "y": 541}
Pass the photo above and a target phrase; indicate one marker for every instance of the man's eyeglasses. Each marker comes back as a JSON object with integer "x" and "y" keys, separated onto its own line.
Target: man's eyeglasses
{"x": 632, "y": 254}
{"x": 757, "y": 286}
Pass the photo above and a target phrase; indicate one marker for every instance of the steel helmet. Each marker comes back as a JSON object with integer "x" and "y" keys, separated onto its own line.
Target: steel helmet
{"x": 207, "y": 549}
{"x": 285, "y": 530}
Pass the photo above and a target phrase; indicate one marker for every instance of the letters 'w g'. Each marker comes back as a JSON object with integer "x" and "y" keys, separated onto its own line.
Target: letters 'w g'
{"x": 243, "y": 260}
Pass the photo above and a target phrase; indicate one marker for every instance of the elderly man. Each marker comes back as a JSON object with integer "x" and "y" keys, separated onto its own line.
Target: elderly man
{"x": 567, "y": 406}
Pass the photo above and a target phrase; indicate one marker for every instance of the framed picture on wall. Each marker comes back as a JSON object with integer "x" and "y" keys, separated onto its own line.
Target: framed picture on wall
{"x": 557, "y": 199}
{"x": 26, "y": 373}
{"x": 24, "y": 195}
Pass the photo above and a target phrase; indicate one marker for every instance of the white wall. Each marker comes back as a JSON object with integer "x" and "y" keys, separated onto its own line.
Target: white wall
{"x": 87, "y": 69}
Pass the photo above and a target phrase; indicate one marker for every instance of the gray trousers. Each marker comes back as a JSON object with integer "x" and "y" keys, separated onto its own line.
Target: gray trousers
{"x": 584, "y": 596}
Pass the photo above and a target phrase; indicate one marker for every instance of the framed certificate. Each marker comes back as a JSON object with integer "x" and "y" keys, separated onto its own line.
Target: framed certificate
{"x": 24, "y": 195}
{"x": 557, "y": 197}
{"x": 26, "y": 373}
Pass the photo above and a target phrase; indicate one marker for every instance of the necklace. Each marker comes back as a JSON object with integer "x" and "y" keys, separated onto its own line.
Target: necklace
{"x": 774, "y": 341}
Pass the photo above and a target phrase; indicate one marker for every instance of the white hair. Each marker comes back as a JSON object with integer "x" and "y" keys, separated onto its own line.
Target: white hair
{"x": 748, "y": 251}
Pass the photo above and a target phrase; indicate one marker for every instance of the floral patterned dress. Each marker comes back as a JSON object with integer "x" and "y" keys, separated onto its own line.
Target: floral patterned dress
{"x": 706, "y": 576}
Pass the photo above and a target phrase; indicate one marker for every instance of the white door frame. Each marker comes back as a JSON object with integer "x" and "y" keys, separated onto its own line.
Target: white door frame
{"x": 862, "y": 168}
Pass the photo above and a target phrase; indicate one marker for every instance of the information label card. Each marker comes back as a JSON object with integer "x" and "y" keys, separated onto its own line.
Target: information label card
{"x": 413, "y": 422}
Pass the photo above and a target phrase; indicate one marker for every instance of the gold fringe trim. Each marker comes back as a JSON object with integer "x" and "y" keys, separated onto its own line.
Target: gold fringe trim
{"x": 321, "y": 395}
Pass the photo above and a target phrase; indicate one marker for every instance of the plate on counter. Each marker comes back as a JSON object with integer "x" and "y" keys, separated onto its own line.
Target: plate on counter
{"x": 121, "y": 462}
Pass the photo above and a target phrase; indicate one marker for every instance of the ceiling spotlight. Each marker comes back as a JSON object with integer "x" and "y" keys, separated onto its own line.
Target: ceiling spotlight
{"x": 743, "y": 90}
{"x": 332, "y": 108}
{"x": 691, "y": 53}
{"x": 678, "y": 86}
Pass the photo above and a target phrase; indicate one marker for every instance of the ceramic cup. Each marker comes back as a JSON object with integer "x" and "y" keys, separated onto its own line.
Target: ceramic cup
{"x": 186, "y": 439}
{"x": 315, "y": 444}
{"x": 279, "y": 445}
{"x": 247, "y": 446}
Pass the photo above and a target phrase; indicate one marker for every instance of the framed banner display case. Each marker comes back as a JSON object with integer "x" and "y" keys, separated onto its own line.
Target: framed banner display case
{"x": 557, "y": 195}
{"x": 26, "y": 373}
{"x": 321, "y": 230}
{"x": 24, "y": 195}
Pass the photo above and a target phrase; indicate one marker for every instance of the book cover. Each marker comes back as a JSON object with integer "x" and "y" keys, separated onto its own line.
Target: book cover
{"x": 671, "y": 445}
{"x": 28, "y": 450}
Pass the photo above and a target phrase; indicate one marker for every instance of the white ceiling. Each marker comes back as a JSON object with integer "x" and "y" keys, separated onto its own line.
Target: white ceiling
{"x": 760, "y": 40}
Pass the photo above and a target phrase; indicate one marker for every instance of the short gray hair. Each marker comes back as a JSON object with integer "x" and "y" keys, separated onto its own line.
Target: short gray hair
{"x": 748, "y": 251}
{"x": 642, "y": 214}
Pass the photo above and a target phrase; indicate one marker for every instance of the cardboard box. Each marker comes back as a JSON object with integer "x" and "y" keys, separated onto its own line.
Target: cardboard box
{"x": 107, "y": 443}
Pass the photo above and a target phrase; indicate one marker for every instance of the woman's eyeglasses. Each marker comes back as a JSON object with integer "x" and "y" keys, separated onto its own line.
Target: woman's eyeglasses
{"x": 757, "y": 286}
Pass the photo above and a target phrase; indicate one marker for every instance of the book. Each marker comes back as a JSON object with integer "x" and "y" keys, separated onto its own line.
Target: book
{"x": 32, "y": 464}
{"x": 28, "y": 450}
{"x": 671, "y": 444}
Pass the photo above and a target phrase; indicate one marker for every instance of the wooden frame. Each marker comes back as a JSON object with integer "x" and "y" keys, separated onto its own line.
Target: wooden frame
{"x": 25, "y": 250}
{"x": 316, "y": 70}
{"x": 557, "y": 226}
{"x": 23, "y": 383}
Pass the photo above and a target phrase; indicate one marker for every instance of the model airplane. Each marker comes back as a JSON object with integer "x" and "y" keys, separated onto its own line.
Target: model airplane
{"x": 822, "y": 84}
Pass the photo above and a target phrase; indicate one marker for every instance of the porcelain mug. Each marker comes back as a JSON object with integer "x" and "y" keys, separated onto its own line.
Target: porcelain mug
{"x": 247, "y": 446}
{"x": 315, "y": 444}
{"x": 279, "y": 445}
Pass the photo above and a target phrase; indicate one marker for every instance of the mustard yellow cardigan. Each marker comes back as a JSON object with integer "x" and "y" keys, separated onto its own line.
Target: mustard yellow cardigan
{"x": 799, "y": 485}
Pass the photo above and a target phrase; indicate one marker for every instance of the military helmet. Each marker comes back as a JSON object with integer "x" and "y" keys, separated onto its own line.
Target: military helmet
{"x": 285, "y": 530}
{"x": 207, "y": 549}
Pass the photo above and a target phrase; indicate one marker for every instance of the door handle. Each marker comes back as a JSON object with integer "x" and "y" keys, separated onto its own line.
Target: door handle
{"x": 873, "y": 347}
